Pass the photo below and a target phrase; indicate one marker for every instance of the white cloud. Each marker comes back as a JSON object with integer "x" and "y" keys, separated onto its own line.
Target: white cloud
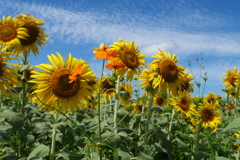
{"x": 148, "y": 32}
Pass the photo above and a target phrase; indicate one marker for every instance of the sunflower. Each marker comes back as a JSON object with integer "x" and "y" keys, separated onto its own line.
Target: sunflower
{"x": 108, "y": 88}
{"x": 11, "y": 32}
{"x": 147, "y": 76}
{"x": 211, "y": 98}
{"x": 139, "y": 109}
{"x": 167, "y": 74}
{"x": 126, "y": 91}
{"x": 184, "y": 104}
{"x": 36, "y": 37}
{"x": 7, "y": 75}
{"x": 128, "y": 54}
{"x": 209, "y": 116}
{"x": 230, "y": 79}
{"x": 187, "y": 85}
{"x": 160, "y": 100}
{"x": 52, "y": 85}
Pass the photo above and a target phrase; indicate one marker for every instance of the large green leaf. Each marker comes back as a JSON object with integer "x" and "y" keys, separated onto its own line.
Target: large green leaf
{"x": 234, "y": 124}
{"x": 15, "y": 118}
{"x": 124, "y": 155}
{"x": 40, "y": 151}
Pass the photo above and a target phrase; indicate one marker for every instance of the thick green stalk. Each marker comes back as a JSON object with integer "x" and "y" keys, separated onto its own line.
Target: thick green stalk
{"x": 99, "y": 113}
{"x": 53, "y": 146}
{"x": 148, "y": 121}
{"x": 24, "y": 81}
{"x": 170, "y": 124}
{"x": 116, "y": 105}
{"x": 235, "y": 105}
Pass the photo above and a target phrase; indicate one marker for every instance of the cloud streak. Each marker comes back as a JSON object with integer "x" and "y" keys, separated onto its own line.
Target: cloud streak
{"x": 148, "y": 32}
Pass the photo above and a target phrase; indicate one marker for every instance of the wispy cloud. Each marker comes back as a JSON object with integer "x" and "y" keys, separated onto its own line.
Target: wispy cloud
{"x": 165, "y": 30}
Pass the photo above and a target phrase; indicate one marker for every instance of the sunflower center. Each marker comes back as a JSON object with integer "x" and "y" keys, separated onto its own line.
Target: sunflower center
{"x": 7, "y": 33}
{"x": 207, "y": 115}
{"x": 183, "y": 104}
{"x": 33, "y": 32}
{"x": 160, "y": 100}
{"x": 231, "y": 79}
{"x": 106, "y": 85}
{"x": 210, "y": 100}
{"x": 61, "y": 86}
{"x": 130, "y": 59}
{"x": 139, "y": 108}
{"x": 168, "y": 70}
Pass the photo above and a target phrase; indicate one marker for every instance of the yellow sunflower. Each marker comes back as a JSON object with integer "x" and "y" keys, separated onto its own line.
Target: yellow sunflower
{"x": 8, "y": 76}
{"x": 159, "y": 100}
{"x": 184, "y": 104}
{"x": 36, "y": 37}
{"x": 211, "y": 98}
{"x": 147, "y": 76}
{"x": 53, "y": 87}
{"x": 167, "y": 74}
{"x": 209, "y": 116}
{"x": 139, "y": 109}
{"x": 187, "y": 85}
{"x": 128, "y": 54}
{"x": 126, "y": 93}
{"x": 11, "y": 32}
{"x": 108, "y": 88}
{"x": 230, "y": 79}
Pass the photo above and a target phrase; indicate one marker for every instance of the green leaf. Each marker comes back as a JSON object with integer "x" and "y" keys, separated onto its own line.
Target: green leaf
{"x": 222, "y": 158}
{"x": 198, "y": 155}
{"x": 40, "y": 151}
{"x": 136, "y": 120}
{"x": 121, "y": 113}
{"x": 4, "y": 137}
{"x": 143, "y": 156}
{"x": 15, "y": 118}
{"x": 180, "y": 143}
{"x": 66, "y": 155}
{"x": 157, "y": 109}
{"x": 39, "y": 127}
{"x": 124, "y": 155}
{"x": 234, "y": 124}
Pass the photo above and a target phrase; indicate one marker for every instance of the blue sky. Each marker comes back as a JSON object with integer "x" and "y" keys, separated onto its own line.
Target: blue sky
{"x": 189, "y": 29}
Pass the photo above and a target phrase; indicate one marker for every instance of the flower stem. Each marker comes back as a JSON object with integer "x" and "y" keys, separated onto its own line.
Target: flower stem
{"x": 148, "y": 121}
{"x": 170, "y": 124}
{"x": 24, "y": 79}
{"x": 99, "y": 112}
{"x": 53, "y": 146}
{"x": 116, "y": 105}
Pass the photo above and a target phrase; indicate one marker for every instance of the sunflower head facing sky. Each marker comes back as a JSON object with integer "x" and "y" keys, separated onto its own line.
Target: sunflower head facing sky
{"x": 37, "y": 35}
{"x": 128, "y": 54}
{"x": 54, "y": 88}
{"x": 12, "y": 31}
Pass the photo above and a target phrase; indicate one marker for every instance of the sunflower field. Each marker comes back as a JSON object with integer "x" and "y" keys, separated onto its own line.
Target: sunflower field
{"x": 139, "y": 111}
